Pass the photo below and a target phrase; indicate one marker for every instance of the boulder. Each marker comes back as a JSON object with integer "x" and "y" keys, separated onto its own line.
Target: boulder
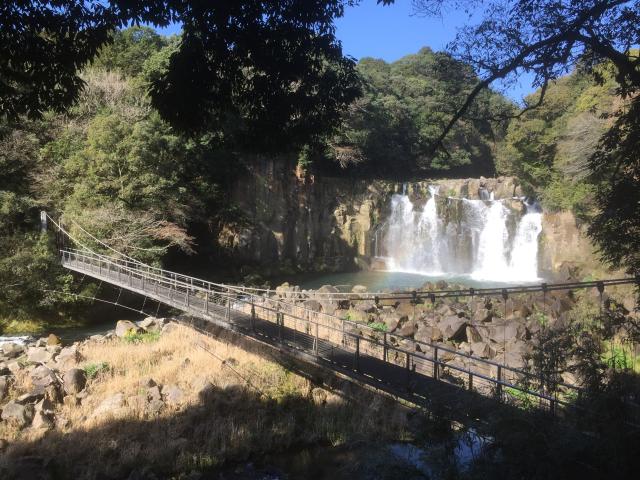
{"x": 43, "y": 415}
{"x": 154, "y": 407}
{"x": 112, "y": 405}
{"x": 53, "y": 339}
{"x": 53, "y": 393}
{"x": 482, "y": 349}
{"x": 428, "y": 334}
{"x": 173, "y": 394}
{"x": 12, "y": 350}
{"x": 147, "y": 382}
{"x": 123, "y": 327}
{"x": 367, "y": 306}
{"x": 152, "y": 324}
{"x": 359, "y": 289}
{"x": 17, "y": 414}
{"x": 328, "y": 289}
{"x": 312, "y": 305}
{"x": 35, "y": 395}
{"x": 328, "y": 306}
{"x": 74, "y": 380}
{"x": 391, "y": 320}
{"x": 408, "y": 328}
{"x": 5, "y": 383}
{"x": 453, "y": 327}
{"x": 473, "y": 334}
{"x": 42, "y": 376}
{"x": 154, "y": 393}
{"x": 68, "y": 356}
{"x": 481, "y": 315}
{"x": 39, "y": 355}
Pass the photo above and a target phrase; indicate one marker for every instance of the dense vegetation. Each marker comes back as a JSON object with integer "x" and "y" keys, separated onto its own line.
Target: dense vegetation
{"x": 390, "y": 130}
{"x": 548, "y": 148}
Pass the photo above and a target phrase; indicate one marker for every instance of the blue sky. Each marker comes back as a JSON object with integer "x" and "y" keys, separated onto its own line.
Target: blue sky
{"x": 390, "y": 32}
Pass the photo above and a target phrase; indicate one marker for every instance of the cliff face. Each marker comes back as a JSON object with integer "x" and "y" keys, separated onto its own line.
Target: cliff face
{"x": 291, "y": 221}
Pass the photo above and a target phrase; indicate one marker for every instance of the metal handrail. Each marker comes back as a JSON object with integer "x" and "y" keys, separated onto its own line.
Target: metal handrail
{"x": 166, "y": 279}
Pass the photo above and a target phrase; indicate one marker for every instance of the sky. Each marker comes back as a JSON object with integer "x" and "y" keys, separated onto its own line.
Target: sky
{"x": 393, "y": 31}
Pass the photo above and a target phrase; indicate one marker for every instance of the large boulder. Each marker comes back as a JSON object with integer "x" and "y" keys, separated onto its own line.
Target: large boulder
{"x": 68, "y": 356}
{"x": 453, "y": 327}
{"x": 53, "y": 339}
{"x": 42, "y": 376}
{"x": 312, "y": 305}
{"x": 113, "y": 405}
{"x": 328, "y": 289}
{"x": 39, "y": 355}
{"x": 123, "y": 327}
{"x": 481, "y": 315}
{"x": 367, "y": 306}
{"x": 408, "y": 328}
{"x": 359, "y": 289}
{"x": 74, "y": 381}
{"x": 12, "y": 350}
{"x": 391, "y": 320}
{"x": 152, "y": 324}
{"x": 428, "y": 334}
{"x": 17, "y": 414}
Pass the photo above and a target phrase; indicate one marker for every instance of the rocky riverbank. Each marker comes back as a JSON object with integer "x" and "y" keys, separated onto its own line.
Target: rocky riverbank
{"x": 505, "y": 330}
{"x": 156, "y": 399}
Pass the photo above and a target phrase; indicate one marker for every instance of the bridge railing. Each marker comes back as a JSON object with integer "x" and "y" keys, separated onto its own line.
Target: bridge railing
{"x": 322, "y": 332}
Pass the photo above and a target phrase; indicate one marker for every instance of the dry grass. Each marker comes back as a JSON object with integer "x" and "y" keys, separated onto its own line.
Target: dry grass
{"x": 254, "y": 406}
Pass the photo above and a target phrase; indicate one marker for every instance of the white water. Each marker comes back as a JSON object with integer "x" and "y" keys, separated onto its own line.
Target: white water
{"x": 484, "y": 239}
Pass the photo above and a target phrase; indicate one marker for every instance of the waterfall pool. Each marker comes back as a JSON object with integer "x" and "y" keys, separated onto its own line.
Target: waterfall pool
{"x": 385, "y": 280}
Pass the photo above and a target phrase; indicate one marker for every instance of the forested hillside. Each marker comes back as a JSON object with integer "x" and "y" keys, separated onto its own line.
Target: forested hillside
{"x": 549, "y": 147}
{"x": 390, "y": 130}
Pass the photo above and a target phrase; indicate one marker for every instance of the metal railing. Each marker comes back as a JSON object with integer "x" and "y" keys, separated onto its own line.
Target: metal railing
{"x": 337, "y": 342}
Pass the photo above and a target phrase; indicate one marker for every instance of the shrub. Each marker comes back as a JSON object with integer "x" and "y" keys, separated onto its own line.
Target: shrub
{"x": 379, "y": 326}
{"x": 145, "y": 337}
{"x": 91, "y": 370}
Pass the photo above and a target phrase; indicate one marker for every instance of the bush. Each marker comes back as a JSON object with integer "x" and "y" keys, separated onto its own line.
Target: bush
{"x": 145, "y": 337}
{"x": 91, "y": 370}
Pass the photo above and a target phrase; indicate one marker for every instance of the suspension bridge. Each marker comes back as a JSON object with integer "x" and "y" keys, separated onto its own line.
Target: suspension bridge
{"x": 403, "y": 366}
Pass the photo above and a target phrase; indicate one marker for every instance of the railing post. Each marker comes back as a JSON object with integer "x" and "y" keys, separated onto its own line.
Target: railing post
{"x": 384, "y": 347}
{"x": 436, "y": 369}
{"x": 186, "y": 296}
{"x": 499, "y": 383}
{"x": 206, "y": 302}
{"x": 228, "y": 312}
{"x": 280, "y": 325}
{"x": 408, "y": 367}
{"x": 356, "y": 358}
{"x": 253, "y": 316}
{"x": 317, "y": 339}
{"x": 470, "y": 380}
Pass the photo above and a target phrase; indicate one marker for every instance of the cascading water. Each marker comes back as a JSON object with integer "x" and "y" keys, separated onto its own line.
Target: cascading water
{"x": 484, "y": 239}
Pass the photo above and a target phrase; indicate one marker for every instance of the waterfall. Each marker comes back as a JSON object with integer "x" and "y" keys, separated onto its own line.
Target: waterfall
{"x": 483, "y": 239}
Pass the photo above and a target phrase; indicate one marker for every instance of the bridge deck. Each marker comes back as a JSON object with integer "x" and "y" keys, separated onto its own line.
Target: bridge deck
{"x": 395, "y": 364}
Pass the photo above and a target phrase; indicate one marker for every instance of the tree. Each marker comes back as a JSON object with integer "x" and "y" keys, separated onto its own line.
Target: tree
{"x": 273, "y": 68}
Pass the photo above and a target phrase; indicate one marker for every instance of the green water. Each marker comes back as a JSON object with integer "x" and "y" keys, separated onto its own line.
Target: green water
{"x": 380, "y": 281}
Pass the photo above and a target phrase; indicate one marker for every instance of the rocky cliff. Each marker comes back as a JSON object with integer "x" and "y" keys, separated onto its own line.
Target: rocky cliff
{"x": 288, "y": 220}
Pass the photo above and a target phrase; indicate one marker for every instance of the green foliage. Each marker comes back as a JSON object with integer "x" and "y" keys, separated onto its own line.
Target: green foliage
{"x": 379, "y": 326}
{"x": 129, "y": 49}
{"x": 144, "y": 337}
{"x": 391, "y": 129}
{"x": 92, "y": 370}
{"x": 548, "y": 148}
